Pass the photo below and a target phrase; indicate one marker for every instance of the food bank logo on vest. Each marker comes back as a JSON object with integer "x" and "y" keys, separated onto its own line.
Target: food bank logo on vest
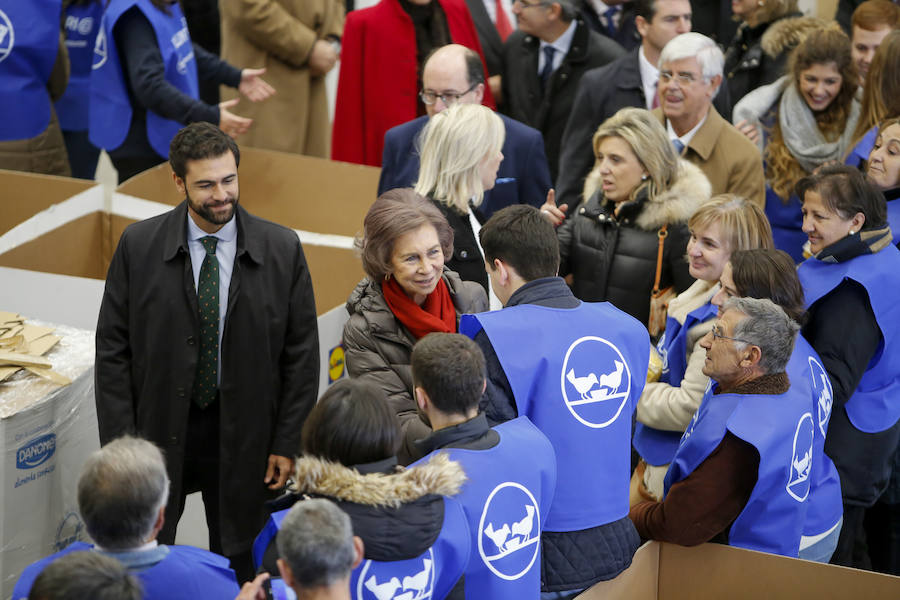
{"x": 663, "y": 350}
{"x": 80, "y": 26}
{"x": 7, "y": 36}
{"x": 100, "y": 49}
{"x": 399, "y": 580}
{"x": 185, "y": 55}
{"x": 509, "y": 532}
{"x": 595, "y": 381}
{"x": 824, "y": 395}
{"x": 801, "y": 459}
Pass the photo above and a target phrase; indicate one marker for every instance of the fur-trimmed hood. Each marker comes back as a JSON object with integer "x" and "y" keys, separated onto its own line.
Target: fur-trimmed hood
{"x": 439, "y": 476}
{"x": 786, "y": 34}
{"x": 688, "y": 192}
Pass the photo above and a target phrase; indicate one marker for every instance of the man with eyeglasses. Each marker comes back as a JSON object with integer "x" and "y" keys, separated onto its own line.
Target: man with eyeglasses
{"x": 453, "y": 74}
{"x": 628, "y": 81}
{"x": 741, "y": 473}
{"x": 690, "y": 76}
{"x": 544, "y": 61}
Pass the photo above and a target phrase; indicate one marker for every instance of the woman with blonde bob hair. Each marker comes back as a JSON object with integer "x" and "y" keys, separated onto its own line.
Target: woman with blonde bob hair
{"x": 459, "y": 158}
{"x": 723, "y": 225}
{"x": 630, "y": 232}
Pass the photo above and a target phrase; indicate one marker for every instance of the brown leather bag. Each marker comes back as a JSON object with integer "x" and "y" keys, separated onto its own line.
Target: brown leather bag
{"x": 659, "y": 299}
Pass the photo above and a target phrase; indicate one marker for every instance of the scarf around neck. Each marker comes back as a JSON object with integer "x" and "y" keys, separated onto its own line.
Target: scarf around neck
{"x": 867, "y": 241}
{"x": 437, "y": 313}
{"x": 802, "y": 136}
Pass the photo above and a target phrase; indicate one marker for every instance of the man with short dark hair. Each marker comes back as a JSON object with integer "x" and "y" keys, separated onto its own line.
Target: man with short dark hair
{"x": 452, "y": 74}
{"x": 122, "y": 492}
{"x": 872, "y": 21}
{"x": 628, "y": 81}
{"x": 576, "y": 370}
{"x": 207, "y": 344}
{"x": 506, "y": 499}
{"x": 544, "y": 61}
{"x": 613, "y": 19}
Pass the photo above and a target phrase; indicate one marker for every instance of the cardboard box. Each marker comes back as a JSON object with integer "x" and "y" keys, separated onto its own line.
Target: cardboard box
{"x": 663, "y": 571}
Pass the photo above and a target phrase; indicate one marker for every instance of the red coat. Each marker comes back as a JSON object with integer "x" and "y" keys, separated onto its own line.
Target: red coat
{"x": 377, "y": 88}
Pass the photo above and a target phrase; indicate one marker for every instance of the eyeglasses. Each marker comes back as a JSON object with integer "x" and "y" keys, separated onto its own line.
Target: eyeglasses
{"x": 447, "y": 98}
{"x": 683, "y": 78}
{"x": 525, "y": 5}
{"x": 717, "y": 334}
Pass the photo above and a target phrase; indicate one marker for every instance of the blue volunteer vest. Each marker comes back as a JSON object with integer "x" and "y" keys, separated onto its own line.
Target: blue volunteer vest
{"x": 110, "y": 109}
{"x": 577, "y": 375}
{"x": 893, "y": 217}
{"x": 656, "y": 446}
{"x": 430, "y": 575}
{"x": 781, "y": 428}
{"x": 875, "y": 405}
{"x": 506, "y": 501}
{"x": 786, "y": 221}
{"x": 81, "y": 26}
{"x": 825, "y": 505}
{"x": 860, "y": 153}
{"x": 187, "y": 573}
{"x": 29, "y": 42}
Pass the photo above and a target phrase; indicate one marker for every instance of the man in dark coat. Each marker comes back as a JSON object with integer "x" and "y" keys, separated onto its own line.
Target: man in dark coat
{"x": 627, "y": 81}
{"x": 539, "y": 92}
{"x": 454, "y": 73}
{"x": 614, "y": 19}
{"x": 222, "y": 382}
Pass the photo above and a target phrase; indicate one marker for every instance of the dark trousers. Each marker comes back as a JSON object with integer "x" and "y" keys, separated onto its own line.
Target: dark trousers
{"x": 882, "y": 524}
{"x": 130, "y": 166}
{"x": 200, "y": 473}
{"x": 83, "y": 155}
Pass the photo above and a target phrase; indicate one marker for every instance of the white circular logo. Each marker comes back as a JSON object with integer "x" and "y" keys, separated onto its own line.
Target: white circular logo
{"x": 7, "y": 36}
{"x": 411, "y": 579}
{"x": 821, "y": 385}
{"x": 85, "y": 25}
{"x": 801, "y": 459}
{"x": 595, "y": 381}
{"x": 509, "y": 532}
{"x": 100, "y": 49}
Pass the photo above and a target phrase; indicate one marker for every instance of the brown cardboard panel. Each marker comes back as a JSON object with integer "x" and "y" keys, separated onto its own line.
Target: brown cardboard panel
{"x": 717, "y": 571}
{"x": 73, "y": 249}
{"x": 301, "y": 192}
{"x": 335, "y": 272}
{"x": 26, "y": 194}
{"x": 638, "y": 582}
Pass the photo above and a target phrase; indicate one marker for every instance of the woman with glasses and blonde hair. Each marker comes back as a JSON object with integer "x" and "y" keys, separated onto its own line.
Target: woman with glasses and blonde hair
{"x": 628, "y": 237}
{"x": 724, "y": 224}
{"x": 459, "y": 157}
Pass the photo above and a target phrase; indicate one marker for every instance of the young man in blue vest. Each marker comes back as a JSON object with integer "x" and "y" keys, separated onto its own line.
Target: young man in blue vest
{"x": 506, "y": 499}
{"x": 576, "y": 370}
{"x": 742, "y": 472}
{"x": 122, "y": 493}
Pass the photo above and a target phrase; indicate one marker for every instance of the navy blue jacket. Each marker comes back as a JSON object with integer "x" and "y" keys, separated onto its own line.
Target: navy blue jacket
{"x": 523, "y": 177}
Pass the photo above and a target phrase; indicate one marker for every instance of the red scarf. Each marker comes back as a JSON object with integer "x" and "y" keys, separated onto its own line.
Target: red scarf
{"x": 437, "y": 313}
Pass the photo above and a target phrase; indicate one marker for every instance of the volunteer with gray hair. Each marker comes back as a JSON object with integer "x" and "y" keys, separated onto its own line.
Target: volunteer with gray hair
{"x": 752, "y": 433}
{"x": 122, "y": 494}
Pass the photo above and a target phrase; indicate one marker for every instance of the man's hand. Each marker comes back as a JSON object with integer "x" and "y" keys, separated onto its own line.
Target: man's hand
{"x": 748, "y": 129}
{"x": 280, "y": 467}
{"x": 252, "y": 85}
{"x": 322, "y": 58}
{"x": 495, "y": 82}
{"x": 551, "y": 212}
{"x": 253, "y": 590}
{"x": 229, "y": 122}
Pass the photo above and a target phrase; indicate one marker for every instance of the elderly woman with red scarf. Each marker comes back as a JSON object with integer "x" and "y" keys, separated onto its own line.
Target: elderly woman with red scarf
{"x": 407, "y": 294}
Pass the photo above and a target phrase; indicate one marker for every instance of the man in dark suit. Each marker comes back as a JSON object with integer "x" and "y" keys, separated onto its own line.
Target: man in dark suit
{"x": 614, "y": 19}
{"x": 452, "y": 74}
{"x": 493, "y": 28}
{"x": 628, "y": 81}
{"x": 544, "y": 61}
{"x": 207, "y": 345}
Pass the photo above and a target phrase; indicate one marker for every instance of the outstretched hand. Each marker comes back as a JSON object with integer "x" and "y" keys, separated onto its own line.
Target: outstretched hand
{"x": 254, "y": 590}
{"x": 229, "y": 122}
{"x": 555, "y": 214}
{"x": 253, "y": 86}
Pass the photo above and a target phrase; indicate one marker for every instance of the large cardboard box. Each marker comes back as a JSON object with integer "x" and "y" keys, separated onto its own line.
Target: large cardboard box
{"x": 663, "y": 571}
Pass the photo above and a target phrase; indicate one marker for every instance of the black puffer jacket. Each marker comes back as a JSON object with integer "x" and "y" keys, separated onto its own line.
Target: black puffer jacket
{"x": 757, "y": 55}
{"x": 613, "y": 258}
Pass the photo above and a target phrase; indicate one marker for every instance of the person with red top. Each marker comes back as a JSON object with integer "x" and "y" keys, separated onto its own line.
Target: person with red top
{"x": 407, "y": 294}
{"x": 383, "y": 50}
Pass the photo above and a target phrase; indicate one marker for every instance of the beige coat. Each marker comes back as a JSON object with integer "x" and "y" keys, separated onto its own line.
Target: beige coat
{"x": 279, "y": 35}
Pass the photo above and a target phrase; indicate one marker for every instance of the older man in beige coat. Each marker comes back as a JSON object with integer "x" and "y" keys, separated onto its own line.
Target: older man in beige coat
{"x": 298, "y": 42}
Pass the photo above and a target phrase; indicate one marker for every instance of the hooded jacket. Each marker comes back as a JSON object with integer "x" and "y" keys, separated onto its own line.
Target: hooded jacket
{"x": 613, "y": 258}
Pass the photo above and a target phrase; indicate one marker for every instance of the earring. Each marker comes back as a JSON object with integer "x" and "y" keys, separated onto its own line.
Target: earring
{"x": 760, "y": 3}
{"x": 644, "y": 177}
{"x": 852, "y": 232}
{"x": 387, "y": 276}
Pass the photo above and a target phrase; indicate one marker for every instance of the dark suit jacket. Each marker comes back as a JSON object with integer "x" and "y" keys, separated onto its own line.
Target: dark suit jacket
{"x": 601, "y": 93}
{"x": 627, "y": 36}
{"x": 523, "y": 177}
{"x": 491, "y": 44}
{"x": 147, "y": 350}
{"x": 548, "y": 110}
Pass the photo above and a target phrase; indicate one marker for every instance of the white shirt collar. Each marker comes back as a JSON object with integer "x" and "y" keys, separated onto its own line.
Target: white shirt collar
{"x": 686, "y": 138}
{"x": 599, "y": 7}
{"x": 228, "y": 233}
{"x": 649, "y": 77}
{"x": 148, "y": 546}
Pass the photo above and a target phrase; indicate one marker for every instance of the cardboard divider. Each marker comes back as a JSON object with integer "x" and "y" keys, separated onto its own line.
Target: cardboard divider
{"x": 25, "y": 195}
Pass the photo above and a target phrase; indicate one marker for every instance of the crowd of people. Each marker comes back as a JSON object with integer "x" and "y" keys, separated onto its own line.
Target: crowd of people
{"x": 647, "y": 298}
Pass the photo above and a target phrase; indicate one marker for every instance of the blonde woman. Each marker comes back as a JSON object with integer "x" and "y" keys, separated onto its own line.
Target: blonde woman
{"x": 638, "y": 197}
{"x": 725, "y": 224}
{"x": 459, "y": 158}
